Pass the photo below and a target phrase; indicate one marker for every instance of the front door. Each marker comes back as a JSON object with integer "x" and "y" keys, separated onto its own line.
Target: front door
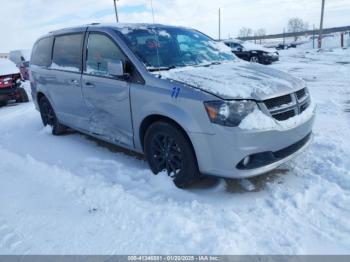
{"x": 107, "y": 97}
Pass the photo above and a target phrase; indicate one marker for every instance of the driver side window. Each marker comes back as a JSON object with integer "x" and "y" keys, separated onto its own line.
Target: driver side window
{"x": 101, "y": 51}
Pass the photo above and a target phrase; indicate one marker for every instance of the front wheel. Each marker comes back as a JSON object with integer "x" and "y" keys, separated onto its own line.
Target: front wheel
{"x": 168, "y": 149}
{"x": 254, "y": 59}
{"x": 49, "y": 118}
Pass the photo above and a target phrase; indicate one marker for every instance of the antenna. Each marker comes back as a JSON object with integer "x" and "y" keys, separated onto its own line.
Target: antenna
{"x": 116, "y": 10}
{"x": 152, "y": 11}
{"x": 156, "y": 37}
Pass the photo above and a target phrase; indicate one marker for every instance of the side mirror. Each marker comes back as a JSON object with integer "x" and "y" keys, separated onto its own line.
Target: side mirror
{"x": 116, "y": 68}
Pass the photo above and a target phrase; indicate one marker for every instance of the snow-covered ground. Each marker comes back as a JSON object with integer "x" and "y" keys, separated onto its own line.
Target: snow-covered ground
{"x": 72, "y": 195}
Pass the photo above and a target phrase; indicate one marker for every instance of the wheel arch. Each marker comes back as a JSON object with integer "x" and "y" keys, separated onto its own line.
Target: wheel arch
{"x": 151, "y": 119}
{"x": 40, "y": 95}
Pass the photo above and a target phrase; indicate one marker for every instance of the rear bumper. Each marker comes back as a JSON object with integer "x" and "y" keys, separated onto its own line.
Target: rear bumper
{"x": 222, "y": 154}
{"x": 8, "y": 94}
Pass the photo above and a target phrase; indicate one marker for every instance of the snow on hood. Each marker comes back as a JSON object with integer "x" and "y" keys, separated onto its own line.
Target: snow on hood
{"x": 238, "y": 79}
{"x": 7, "y": 67}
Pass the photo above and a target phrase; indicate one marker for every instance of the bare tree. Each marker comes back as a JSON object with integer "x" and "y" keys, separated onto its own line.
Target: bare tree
{"x": 260, "y": 32}
{"x": 245, "y": 32}
{"x": 296, "y": 25}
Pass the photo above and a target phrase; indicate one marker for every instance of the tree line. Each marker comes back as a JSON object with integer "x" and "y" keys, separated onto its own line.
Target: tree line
{"x": 294, "y": 25}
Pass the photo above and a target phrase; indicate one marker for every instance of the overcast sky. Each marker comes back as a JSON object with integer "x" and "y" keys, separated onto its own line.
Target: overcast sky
{"x": 21, "y": 22}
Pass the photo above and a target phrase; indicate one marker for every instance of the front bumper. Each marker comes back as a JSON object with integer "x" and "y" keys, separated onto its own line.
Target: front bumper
{"x": 222, "y": 154}
{"x": 269, "y": 59}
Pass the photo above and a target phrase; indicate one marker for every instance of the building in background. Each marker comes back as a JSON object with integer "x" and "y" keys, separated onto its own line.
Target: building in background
{"x": 4, "y": 55}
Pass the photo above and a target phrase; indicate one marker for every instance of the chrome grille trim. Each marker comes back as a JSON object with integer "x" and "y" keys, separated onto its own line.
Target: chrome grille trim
{"x": 300, "y": 101}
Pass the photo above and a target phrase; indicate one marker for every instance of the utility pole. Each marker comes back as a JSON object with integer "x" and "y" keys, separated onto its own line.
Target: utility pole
{"x": 116, "y": 10}
{"x": 313, "y": 36}
{"x": 321, "y": 25}
{"x": 219, "y": 23}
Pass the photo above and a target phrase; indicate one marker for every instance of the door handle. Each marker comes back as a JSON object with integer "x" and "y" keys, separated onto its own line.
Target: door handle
{"x": 89, "y": 84}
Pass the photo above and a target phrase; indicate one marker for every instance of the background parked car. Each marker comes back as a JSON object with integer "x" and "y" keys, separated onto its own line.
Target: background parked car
{"x": 21, "y": 60}
{"x": 11, "y": 84}
{"x": 252, "y": 52}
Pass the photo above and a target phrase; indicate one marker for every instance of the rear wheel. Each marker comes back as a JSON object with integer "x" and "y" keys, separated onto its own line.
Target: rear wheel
{"x": 3, "y": 103}
{"x": 48, "y": 117}
{"x": 23, "y": 96}
{"x": 168, "y": 149}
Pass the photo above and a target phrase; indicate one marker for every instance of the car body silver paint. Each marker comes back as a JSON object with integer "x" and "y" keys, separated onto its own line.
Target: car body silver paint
{"x": 115, "y": 111}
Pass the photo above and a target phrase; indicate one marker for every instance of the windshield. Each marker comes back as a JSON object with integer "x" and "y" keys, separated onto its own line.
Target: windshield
{"x": 167, "y": 48}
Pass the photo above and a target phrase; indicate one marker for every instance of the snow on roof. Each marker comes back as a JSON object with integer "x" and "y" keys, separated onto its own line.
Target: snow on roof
{"x": 251, "y": 47}
{"x": 7, "y": 67}
{"x": 233, "y": 40}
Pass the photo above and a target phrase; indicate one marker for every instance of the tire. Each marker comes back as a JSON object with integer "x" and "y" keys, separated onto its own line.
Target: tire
{"x": 168, "y": 149}
{"x": 23, "y": 96}
{"x": 254, "y": 59}
{"x": 3, "y": 103}
{"x": 48, "y": 117}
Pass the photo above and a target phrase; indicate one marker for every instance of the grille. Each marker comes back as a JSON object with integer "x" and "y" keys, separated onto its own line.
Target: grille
{"x": 285, "y": 115}
{"x": 287, "y": 106}
{"x": 278, "y": 101}
{"x": 301, "y": 94}
{"x": 304, "y": 107}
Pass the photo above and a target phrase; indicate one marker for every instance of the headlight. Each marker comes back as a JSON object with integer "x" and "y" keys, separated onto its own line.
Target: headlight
{"x": 229, "y": 113}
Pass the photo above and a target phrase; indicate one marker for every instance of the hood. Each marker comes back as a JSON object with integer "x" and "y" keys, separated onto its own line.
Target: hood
{"x": 237, "y": 80}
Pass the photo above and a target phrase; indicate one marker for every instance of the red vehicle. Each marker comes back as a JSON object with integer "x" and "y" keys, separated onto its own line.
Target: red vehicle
{"x": 10, "y": 84}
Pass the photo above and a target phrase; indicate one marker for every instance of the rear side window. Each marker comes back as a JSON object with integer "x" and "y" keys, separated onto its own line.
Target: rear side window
{"x": 67, "y": 52}
{"x": 41, "y": 55}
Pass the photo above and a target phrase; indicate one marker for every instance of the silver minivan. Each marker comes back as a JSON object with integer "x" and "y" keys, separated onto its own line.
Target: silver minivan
{"x": 173, "y": 94}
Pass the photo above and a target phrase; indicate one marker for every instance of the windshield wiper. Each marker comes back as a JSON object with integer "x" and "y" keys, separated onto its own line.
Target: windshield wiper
{"x": 162, "y": 68}
{"x": 209, "y": 64}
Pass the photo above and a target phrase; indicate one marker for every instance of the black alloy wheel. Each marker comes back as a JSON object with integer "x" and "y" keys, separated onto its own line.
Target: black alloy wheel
{"x": 49, "y": 118}
{"x": 169, "y": 150}
{"x": 167, "y": 154}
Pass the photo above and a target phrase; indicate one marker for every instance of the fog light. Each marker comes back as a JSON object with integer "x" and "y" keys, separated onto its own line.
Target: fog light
{"x": 246, "y": 161}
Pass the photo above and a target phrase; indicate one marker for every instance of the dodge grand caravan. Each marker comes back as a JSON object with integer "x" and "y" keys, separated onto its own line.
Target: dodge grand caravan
{"x": 173, "y": 94}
